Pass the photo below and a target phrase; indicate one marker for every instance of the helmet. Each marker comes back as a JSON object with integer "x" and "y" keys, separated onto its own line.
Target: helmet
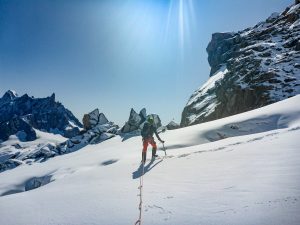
{"x": 150, "y": 120}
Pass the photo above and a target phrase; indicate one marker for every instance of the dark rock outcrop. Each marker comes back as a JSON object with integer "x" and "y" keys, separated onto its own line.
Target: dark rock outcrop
{"x": 249, "y": 69}
{"x": 93, "y": 118}
{"x": 17, "y": 126}
{"x": 133, "y": 122}
{"x": 44, "y": 114}
{"x": 136, "y": 121}
{"x": 220, "y": 43}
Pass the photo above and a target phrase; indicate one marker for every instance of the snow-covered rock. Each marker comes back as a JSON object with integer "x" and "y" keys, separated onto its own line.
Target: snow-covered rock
{"x": 102, "y": 137}
{"x": 173, "y": 125}
{"x": 97, "y": 128}
{"x": 15, "y": 152}
{"x": 40, "y": 145}
{"x": 249, "y": 69}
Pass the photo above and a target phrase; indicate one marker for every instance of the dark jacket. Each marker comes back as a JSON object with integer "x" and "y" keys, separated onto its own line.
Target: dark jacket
{"x": 148, "y": 131}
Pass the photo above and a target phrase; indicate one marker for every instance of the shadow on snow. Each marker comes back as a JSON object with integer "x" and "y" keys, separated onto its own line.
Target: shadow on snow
{"x": 138, "y": 173}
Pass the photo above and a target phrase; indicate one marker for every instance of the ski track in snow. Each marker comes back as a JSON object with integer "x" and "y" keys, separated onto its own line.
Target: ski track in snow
{"x": 259, "y": 138}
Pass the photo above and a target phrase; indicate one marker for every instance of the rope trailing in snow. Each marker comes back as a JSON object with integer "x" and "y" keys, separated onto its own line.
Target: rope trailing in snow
{"x": 139, "y": 221}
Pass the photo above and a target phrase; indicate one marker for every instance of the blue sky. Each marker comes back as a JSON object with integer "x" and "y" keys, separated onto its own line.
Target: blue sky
{"x": 117, "y": 54}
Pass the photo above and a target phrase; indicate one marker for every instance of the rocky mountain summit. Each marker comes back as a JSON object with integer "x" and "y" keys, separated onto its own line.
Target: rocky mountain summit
{"x": 136, "y": 121}
{"x": 19, "y": 115}
{"x": 249, "y": 69}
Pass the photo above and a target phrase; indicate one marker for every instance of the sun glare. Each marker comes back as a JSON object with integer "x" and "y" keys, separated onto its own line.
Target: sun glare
{"x": 155, "y": 26}
{"x": 181, "y": 15}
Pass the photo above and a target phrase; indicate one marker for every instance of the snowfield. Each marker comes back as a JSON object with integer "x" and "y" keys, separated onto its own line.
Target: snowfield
{"x": 240, "y": 170}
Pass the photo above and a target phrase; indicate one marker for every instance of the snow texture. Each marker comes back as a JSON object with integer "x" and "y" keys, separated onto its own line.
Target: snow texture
{"x": 242, "y": 169}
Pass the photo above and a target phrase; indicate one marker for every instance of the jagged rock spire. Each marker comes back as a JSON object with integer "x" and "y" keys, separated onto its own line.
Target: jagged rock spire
{"x": 10, "y": 95}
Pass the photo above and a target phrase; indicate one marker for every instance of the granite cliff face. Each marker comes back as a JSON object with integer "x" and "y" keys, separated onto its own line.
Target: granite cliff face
{"x": 22, "y": 114}
{"x": 249, "y": 69}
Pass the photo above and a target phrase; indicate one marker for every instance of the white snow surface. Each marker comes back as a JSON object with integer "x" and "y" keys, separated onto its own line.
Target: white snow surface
{"x": 243, "y": 169}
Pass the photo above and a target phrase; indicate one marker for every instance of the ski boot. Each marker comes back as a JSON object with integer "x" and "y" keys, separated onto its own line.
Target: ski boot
{"x": 154, "y": 154}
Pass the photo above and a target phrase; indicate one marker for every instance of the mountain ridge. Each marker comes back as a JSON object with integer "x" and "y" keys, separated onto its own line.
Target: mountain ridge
{"x": 45, "y": 114}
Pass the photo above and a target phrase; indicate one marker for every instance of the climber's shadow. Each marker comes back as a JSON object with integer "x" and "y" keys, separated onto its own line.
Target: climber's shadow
{"x": 138, "y": 173}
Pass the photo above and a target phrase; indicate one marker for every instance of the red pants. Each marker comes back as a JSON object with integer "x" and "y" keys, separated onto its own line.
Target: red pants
{"x": 150, "y": 141}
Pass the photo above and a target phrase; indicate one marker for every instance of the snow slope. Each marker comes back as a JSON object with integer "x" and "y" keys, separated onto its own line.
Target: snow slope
{"x": 243, "y": 169}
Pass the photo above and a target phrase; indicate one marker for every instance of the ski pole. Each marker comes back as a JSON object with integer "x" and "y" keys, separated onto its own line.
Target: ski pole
{"x": 164, "y": 149}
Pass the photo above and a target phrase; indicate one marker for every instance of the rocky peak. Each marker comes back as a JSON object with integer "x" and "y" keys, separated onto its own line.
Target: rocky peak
{"x": 133, "y": 122}
{"x": 52, "y": 97}
{"x": 93, "y": 118}
{"x": 136, "y": 121}
{"x": 40, "y": 113}
{"x": 8, "y": 96}
{"x": 143, "y": 114}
